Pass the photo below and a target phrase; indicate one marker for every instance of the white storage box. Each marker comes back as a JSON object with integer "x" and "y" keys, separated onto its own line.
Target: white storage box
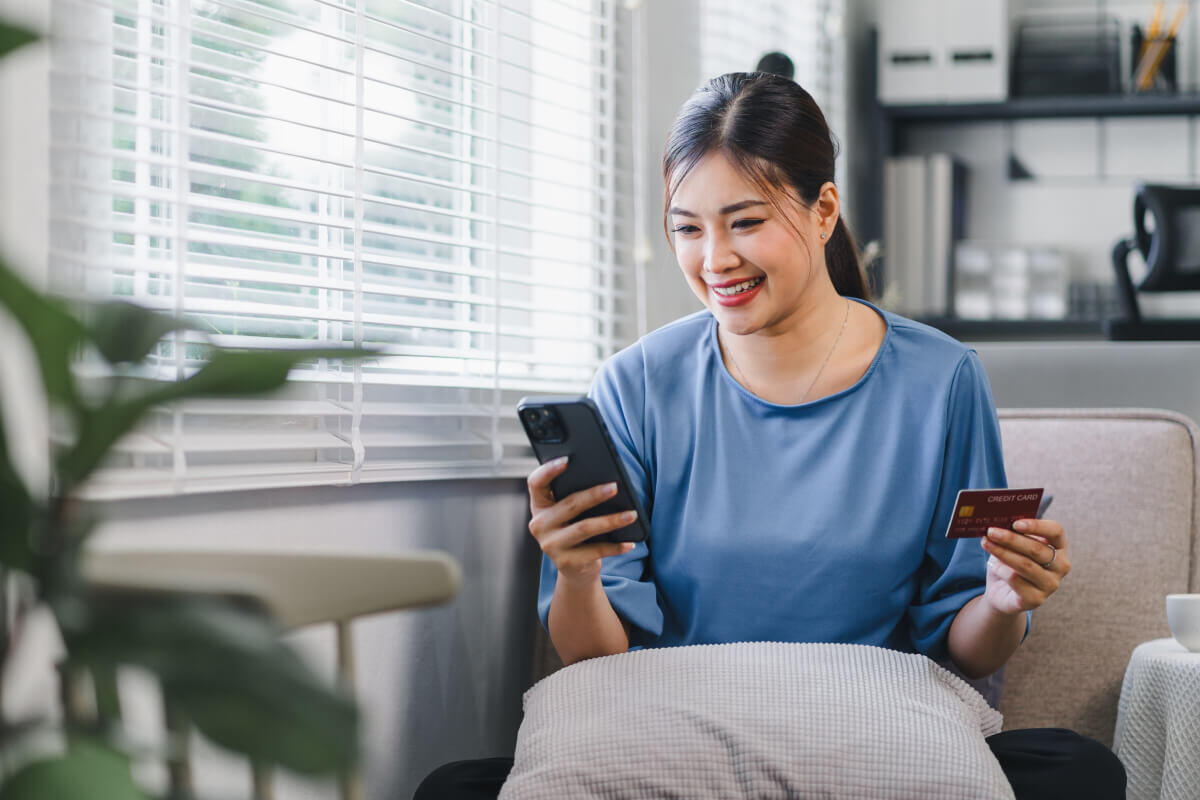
{"x": 995, "y": 280}
{"x": 943, "y": 51}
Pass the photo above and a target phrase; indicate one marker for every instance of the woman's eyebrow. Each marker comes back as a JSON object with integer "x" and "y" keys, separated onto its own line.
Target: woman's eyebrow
{"x": 726, "y": 210}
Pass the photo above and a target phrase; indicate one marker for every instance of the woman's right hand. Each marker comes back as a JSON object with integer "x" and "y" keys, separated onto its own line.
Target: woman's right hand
{"x": 560, "y": 539}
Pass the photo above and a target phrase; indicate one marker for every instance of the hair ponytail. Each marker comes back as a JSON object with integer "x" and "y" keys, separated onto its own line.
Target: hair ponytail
{"x": 841, "y": 259}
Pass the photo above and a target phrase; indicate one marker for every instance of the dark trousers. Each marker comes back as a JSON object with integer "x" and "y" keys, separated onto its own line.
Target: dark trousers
{"x": 1040, "y": 763}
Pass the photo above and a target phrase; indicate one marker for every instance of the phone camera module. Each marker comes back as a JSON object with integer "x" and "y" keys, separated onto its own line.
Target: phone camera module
{"x": 543, "y": 425}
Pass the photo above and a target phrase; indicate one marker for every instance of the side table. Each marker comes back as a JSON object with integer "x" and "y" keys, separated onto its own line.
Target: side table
{"x": 300, "y": 587}
{"x": 1158, "y": 722}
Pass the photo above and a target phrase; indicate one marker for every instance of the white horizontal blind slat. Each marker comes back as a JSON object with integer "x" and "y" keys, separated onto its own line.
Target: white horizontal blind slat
{"x": 436, "y": 180}
{"x": 244, "y": 110}
{"x": 209, "y": 171}
{"x": 118, "y": 263}
{"x": 276, "y": 242}
{"x": 210, "y": 28}
{"x": 261, "y": 148}
{"x": 128, "y": 157}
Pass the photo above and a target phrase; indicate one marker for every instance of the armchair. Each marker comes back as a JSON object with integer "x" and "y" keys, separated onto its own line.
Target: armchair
{"x": 1126, "y": 486}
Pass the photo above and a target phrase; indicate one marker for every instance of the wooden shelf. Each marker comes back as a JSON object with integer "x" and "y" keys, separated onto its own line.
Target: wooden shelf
{"x": 1126, "y": 105}
{"x": 1016, "y": 329}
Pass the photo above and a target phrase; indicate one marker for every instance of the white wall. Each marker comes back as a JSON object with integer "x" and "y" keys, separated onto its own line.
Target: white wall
{"x": 672, "y": 35}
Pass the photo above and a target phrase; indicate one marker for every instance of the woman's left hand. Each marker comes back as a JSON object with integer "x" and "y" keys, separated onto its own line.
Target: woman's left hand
{"x": 1026, "y": 565}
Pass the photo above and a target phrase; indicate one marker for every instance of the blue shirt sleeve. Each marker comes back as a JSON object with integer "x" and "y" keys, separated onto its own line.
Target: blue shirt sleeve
{"x": 618, "y": 390}
{"x": 954, "y": 570}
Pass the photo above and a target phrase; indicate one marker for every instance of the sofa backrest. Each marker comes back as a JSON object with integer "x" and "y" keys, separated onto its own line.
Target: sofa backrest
{"x": 1126, "y": 486}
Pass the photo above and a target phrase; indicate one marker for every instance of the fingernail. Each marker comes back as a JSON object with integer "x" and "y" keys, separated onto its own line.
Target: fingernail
{"x": 1020, "y": 525}
{"x": 994, "y": 533}
{"x": 558, "y": 462}
{"x": 629, "y": 546}
{"x": 628, "y": 516}
{"x": 610, "y": 488}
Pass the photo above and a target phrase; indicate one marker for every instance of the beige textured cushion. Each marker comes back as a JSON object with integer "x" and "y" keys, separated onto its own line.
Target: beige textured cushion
{"x": 1125, "y": 483}
{"x": 756, "y": 720}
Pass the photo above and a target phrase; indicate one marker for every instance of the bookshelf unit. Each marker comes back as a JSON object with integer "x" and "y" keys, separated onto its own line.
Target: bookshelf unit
{"x": 888, "y": 125}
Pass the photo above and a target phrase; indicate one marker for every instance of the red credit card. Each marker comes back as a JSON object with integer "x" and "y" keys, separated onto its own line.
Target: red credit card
{"x": 976, "y": 510}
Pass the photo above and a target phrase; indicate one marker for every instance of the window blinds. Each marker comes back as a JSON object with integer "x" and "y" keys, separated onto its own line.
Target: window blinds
{"x": 440, "y": 180}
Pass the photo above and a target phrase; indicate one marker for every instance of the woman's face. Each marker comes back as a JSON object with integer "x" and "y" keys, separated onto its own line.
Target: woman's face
{"x": 740, "y": 256}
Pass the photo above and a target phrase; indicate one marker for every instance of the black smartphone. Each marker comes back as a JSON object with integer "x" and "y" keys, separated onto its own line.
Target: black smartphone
{"x": 573, "y": 427}
{"x": 1045, "y": 504}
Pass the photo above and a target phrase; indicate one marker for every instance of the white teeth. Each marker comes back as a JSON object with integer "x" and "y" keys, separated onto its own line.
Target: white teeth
{"x": 737, "y": 288}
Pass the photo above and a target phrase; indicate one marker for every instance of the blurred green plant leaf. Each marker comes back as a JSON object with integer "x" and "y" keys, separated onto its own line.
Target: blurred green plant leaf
{"x": 14, "y": 36}
{"x": 54, "y": 333}
{"x": 125, "y": 332}
{"x": 89, "y": 770}
{"x": 227, "y": 672}
{"x": 16, "y": 520}
{"x": 228, "y": 373}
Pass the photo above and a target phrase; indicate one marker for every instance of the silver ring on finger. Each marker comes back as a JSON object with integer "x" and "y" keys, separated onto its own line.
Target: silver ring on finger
{"x": 1054, "y": 555}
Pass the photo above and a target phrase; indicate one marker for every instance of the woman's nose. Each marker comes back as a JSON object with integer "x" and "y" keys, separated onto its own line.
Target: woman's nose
{"x": 720, "y": 256}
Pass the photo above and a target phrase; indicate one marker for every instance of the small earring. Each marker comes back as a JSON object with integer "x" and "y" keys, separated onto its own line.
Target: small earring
{"x": 822, "y": 235}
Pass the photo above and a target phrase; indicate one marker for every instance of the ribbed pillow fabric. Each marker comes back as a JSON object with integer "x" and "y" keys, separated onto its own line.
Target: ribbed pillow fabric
{"x": 756, "y": 720}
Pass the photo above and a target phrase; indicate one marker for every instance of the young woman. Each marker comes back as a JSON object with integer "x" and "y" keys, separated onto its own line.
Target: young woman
{"x": 799, "y": 450}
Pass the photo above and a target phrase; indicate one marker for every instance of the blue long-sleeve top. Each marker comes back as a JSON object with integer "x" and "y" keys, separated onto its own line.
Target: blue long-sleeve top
{"x": 818, "y": 522}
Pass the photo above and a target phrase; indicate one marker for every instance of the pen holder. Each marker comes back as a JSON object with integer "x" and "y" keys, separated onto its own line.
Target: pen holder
{"x": 1158, "y": 61}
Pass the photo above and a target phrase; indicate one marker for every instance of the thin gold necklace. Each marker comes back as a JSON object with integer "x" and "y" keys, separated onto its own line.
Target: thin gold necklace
{"x": 816, "y": 378}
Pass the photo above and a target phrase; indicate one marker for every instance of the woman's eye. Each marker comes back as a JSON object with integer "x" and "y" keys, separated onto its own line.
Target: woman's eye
{"x": 747, "y": 223}
{"x": 684, "y": 229}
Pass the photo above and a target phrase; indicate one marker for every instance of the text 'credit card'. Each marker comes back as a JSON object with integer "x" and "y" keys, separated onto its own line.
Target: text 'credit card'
{"x": 976, "y": 510}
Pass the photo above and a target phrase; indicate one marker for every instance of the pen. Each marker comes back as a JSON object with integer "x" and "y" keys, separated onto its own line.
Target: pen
{"x": 1154, "y": 47}
{"x": 1177, "y": 20}
{"x": 1151, "y": 31}
{"x": 1155, "y": 20}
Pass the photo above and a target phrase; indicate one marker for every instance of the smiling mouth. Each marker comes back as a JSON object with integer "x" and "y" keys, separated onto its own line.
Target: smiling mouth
{"x": 737, "y": 288}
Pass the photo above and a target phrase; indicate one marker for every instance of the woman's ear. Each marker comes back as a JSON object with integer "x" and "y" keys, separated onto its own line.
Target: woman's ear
{"x": 828, "y": 208}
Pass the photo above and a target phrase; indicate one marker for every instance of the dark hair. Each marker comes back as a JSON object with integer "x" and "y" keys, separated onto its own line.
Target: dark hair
{"x": 772, "y": 132}
{"x": 776, "y": 63}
